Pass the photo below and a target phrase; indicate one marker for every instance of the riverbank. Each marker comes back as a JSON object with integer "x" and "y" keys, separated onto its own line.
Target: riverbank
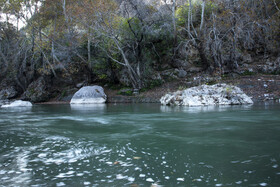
{"x": 259, "y": 87}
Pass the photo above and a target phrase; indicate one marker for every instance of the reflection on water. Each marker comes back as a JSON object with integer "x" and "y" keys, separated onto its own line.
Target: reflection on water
{"x": 199, "y": 109}
{"x": 121, "y": 145}
{"x": 88, "y": 107}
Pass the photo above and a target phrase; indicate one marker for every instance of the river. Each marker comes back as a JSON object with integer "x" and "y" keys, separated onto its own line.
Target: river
{"x": 140, "y": 145}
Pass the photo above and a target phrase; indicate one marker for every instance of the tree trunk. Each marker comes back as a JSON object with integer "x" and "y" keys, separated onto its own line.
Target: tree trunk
{"x": 202, "y": 15}
{"x": 189, "y": 17}
{"x": 174, "y": 25}
{"x": 89, "y": 48}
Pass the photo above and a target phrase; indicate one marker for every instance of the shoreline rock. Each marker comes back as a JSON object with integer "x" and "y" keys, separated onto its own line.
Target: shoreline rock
{"x": 204, "y": 95}
{"x": 89, "y": 95}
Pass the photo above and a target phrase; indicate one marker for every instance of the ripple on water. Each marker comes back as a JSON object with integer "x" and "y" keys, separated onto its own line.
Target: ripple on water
{"x": 78, "y": 157}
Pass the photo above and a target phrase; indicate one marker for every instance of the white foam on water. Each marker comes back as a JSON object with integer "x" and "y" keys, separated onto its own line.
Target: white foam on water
{"x": 263, "y": 184}
{"x": 42, "y": 155}
{"x": 180, "y": 179}
{"x": 87, "y": 183}
{"x": 246, "y": 161}
{"x": 142, "y": 175}
{"x": 60, "y": 184}
{"x": 167, "y": 177}
{"x": 275, "y": 166}
{"x": 79, "y": 174}
{"x": 70, "y": 172}
{"x": 61, "y": 175}
{"x": 2, "y": 172}
{"x": 150, "y": 180}
{"x": 131, "y": 179}
{"x": 120, "y": 176}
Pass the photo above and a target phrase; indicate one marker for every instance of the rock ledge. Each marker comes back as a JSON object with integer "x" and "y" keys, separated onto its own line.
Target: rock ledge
{"x": 204, "y": 95}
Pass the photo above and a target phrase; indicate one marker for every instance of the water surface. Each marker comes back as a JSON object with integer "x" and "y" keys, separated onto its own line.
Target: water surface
{"x": 140, "y": 145}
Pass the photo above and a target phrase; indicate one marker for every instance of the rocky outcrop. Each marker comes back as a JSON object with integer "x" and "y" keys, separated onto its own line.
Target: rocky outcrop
{"x": 219, "y": 94}
{"x": 270, "y": 67}
{"x": 89, "y": 95}
{"x": 18, "y": 103}
{"x": 37, "y": 91}
{"x": 8, "y": 93}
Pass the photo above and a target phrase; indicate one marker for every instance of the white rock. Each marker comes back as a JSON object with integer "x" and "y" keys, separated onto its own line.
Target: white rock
{"x": 18, "y": 103}
{"x": 89, "y": 95}
{"x": 219, "y": 94}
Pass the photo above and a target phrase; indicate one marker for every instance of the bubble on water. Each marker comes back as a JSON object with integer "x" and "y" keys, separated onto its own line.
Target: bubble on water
{"x": 238, "y": 182}
{"x": 109, "y": 163}
{"x": 137, "y": 168}
{"x": 218, "y": 184}
{"x": 263, "y": 184}
{"x": 60, "y": 184}
{"x": 167, "y": 177}
{"x": 150, "y": 180}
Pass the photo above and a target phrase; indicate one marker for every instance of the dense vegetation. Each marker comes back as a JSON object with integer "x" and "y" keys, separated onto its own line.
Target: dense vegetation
{"x": 128, "y": 42}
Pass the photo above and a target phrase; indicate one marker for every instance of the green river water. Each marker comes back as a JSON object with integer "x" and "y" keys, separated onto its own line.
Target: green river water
{"x": 140, "y": 145}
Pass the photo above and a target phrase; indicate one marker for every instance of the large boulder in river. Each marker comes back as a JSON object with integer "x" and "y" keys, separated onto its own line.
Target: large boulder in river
{"x": 89, "y": 95}
{"x": 18, "y": 103}
{"x": 219, "y": 94}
